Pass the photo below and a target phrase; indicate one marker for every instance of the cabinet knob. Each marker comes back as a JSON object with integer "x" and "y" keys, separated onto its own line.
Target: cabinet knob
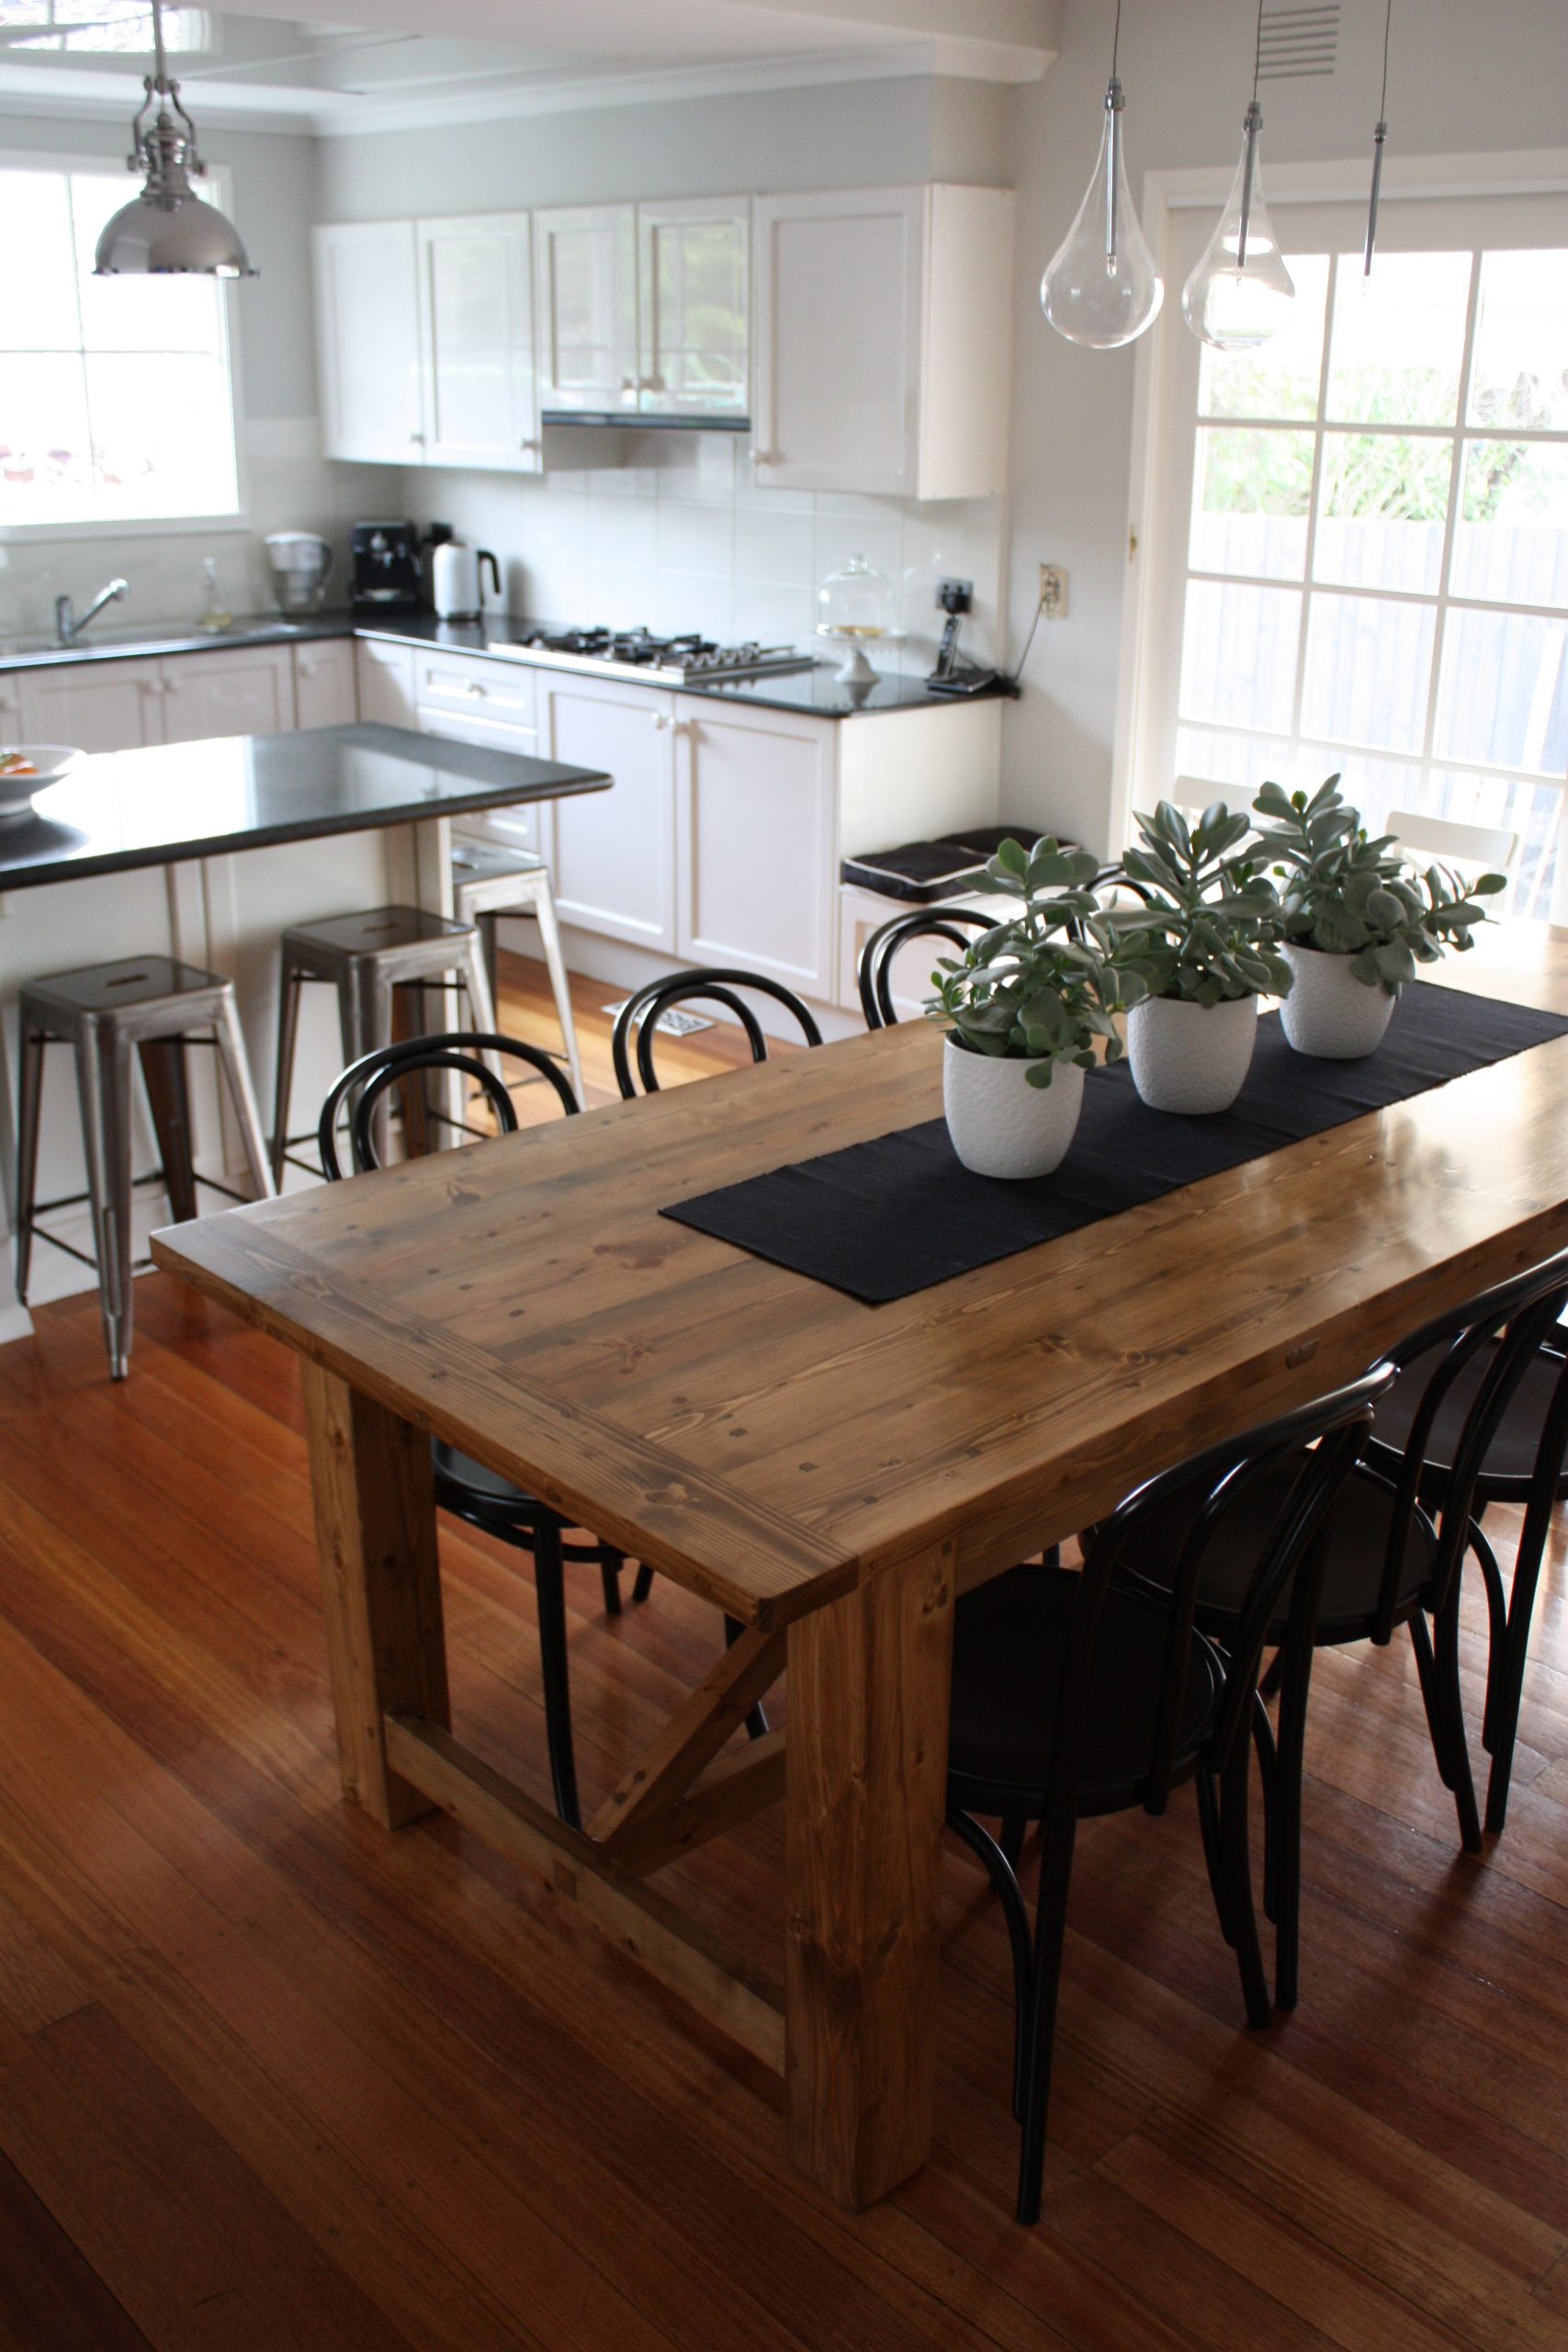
{"x": 765, "y": 456}
{"x": 660, "y": 721}
{"x": 8, "y": 702}
{"x": 169, "y": 687}
{"x": 526, "y": 446}
{"x": 418, "y": 439}
{"x": 306, "y": 669}
{"x": 474, "y": 687}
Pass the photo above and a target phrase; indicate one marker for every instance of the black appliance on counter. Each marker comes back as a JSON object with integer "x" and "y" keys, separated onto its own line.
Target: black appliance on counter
{"x": 385, "y": 569}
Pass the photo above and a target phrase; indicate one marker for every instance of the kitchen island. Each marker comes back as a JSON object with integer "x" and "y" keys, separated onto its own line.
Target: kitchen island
{"x": 138, "y": 853}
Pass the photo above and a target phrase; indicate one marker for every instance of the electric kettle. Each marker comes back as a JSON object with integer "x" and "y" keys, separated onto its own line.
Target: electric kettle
{"x": 455, "y": 580}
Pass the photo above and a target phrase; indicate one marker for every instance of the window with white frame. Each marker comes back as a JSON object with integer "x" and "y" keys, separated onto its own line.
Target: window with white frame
{"x": 1362, "y": 543}
{"x": 117, "y": 399}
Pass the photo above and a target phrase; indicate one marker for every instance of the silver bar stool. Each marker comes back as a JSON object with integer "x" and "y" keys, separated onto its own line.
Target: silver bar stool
{"x": 153, "y": 1004}
{"x": 365, "y": 958}
{"x": 489, "y": 882}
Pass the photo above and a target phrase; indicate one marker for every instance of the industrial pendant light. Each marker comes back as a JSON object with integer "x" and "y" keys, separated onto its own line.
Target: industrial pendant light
{"x": 1379, "y": 135}
{"x": 1240, "y": 292}
{"x": 1100, "y": 287}
{"x": 167, "y": 230}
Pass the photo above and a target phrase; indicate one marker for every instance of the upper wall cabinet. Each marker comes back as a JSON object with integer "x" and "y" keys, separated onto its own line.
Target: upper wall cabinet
{"x": 367, "y": 339}
{"x": 476, "y": 338}
{"x": 643, "y": 310}
{"x": 884, "y": 341}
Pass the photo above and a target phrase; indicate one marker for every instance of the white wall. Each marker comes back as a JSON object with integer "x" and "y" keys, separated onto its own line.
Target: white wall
{"x": 1463, "y": 78}
{"x": 273, "y": 201}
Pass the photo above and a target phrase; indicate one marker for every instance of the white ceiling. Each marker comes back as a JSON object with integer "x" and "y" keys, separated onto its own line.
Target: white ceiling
{"x": 379, "y": 64}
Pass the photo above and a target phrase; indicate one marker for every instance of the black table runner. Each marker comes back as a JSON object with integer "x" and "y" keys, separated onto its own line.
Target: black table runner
{"x": 884, "y": 1219}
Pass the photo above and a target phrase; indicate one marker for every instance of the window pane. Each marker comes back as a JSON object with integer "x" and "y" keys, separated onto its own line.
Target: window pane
{"x": 1234, "y": 766}
{"x": 1398, "y": 339}
{"x": 1368, "y": 671}
{"x": 1250, "y": 495}
{"x": 38, "y": 287}
{"x": 1520, "y": 375}
{"x": 1503, "y": 695}
{"x": 1511, "y": 542}
{"x": 161, "y": 438}
{"x": 137, "y": 313}
{"x": 1371, "y": 785}
{"x": 1382, "y": 505}
{"x": 1282, "y": 379}
{"x": 1238, "y": 654}
{"x": 1533, "y": 811}
{"x": 46, "y": 468}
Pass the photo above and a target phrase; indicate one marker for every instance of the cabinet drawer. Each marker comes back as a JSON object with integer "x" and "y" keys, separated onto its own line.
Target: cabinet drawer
{"x": 516, "y": 828}
{"x": 485, "y": 689}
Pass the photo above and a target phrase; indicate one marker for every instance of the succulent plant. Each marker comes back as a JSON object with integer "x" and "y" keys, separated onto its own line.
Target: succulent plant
{"x": 1208, "y": 924}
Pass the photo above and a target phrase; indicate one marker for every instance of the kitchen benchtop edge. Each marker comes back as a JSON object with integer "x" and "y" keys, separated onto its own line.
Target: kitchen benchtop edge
{"x": 811, "y": 693}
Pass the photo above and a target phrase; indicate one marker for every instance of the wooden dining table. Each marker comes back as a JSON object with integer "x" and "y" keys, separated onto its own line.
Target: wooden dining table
{"x": 830, "y": 1474}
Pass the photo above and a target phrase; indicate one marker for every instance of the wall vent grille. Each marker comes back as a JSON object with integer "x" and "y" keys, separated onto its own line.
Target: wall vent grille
{"x": 1297, "y": 38}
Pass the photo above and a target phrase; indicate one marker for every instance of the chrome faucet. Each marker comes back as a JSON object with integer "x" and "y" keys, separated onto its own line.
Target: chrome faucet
{"x": 69, "y": 624}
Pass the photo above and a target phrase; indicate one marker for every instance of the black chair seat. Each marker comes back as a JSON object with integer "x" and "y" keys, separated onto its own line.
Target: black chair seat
{"x": 485, "y": 1489}
{"x": 1006, "y": 1668}
{"x": 1357, "y": 1535}
{"x": 1510, "y": 1458}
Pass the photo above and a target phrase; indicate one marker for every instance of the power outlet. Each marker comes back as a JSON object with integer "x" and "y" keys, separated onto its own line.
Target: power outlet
{"x": 1053, "y": 592}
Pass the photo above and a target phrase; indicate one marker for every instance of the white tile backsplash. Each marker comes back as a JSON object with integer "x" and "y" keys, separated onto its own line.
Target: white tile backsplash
{"x": 680, "y": 536}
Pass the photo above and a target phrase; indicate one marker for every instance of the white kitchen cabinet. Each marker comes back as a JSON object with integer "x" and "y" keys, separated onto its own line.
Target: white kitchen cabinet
{"x": 506, "y": 828}
{"x": 884, "y": 341}
{"x": 247, "y": 690}
{"x": 586, "y": 271}
{"x": 97, "y": 706}
{"x": 368, "y": 342}
{"x": 754, "y": 844}
{"x": 475, "y": 684}
{"x": 384, "y": 675}
{"x": 476, "y": 334}
{"x": 325, "y": 692}
{"x": 693, "y": 307}
{"x": 612, "y": 853}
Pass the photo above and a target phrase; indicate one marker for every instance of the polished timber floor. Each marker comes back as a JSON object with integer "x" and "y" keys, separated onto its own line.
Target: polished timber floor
{"x": 271, "y": 2079}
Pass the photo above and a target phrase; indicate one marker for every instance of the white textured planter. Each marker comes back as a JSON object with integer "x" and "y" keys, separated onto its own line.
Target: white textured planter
{"x": 1329, "y": 1012}
{"x": 1001, "y": 1124}
{"x": 1192, "y": 1057}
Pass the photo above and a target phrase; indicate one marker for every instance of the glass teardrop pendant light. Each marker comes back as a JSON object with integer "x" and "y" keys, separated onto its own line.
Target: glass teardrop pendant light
{"x": 168, "y": 230}
{"x": 1240, "y": 292}
{"x": 1100, "y": 287}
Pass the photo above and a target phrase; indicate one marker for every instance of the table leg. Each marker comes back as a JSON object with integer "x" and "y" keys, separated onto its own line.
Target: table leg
{"x": 869, "y": 1683}
{"x": 375, "y": 1533}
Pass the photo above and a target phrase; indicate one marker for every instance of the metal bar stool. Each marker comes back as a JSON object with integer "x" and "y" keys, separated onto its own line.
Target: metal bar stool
{"x": 365, "y": 958}
{"x": 487, "y": 883}
{"x": 153, "y": 1004}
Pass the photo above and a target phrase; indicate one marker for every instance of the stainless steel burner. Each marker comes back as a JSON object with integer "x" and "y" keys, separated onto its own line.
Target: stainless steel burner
{"x": 639, "y": 653}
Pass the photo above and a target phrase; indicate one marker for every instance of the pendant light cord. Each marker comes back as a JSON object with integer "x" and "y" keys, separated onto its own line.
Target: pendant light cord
{"x": 1387, "y": 22}
{"x": 1116, "y": 40}
{"x": 1258, "y": 52}
{"x": 160, "y": 63}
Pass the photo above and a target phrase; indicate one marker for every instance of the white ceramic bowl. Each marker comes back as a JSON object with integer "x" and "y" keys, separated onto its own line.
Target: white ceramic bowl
{"x": 49, "y": 761}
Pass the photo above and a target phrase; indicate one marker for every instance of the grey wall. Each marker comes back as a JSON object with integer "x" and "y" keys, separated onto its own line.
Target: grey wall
{"x": 857, "y": 134}
{"x": 1464, "y": 77}
{"x": 273, "y": 203}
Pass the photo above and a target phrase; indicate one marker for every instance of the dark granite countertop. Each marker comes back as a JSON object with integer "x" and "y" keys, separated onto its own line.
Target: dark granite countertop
{"x": 122, "y": 809}
{"x": 815, "y": 693}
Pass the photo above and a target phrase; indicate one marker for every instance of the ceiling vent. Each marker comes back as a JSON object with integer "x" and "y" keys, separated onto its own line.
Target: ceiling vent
{"x": 1297, "y": 38}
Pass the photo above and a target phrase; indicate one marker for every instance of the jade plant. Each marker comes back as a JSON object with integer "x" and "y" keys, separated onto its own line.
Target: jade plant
{"x": 1207, "y": 926}
{"x": 1349, "y": 894}
{"x": 1036, "y": 988}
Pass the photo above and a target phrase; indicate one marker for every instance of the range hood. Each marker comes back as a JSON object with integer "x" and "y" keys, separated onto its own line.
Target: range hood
{"x": 639, "y": 420}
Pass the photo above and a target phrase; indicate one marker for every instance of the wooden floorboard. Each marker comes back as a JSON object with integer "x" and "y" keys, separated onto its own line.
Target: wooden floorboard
{"x": 269, "y": 2078}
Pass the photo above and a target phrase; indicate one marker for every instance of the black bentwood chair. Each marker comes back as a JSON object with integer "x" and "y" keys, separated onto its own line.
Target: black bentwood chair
{"x": 1394, "y": 1548}
{"x": 957, "y": 925}
{"x": 639, "y": 1017}
{"x": 1075, "y": 1695}
{"x": 463, "y": 1486}
{"x": 1518, "y": 1470}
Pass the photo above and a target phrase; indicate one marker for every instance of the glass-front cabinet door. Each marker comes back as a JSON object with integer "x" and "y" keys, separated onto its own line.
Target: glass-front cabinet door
{"x": 587, "y": 269}
{"x": 694, "y": 258}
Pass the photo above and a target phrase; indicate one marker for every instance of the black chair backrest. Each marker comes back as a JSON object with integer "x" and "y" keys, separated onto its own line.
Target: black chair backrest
{"x": 640, "y": 1015}
{"x": 957, "y": 925}
{"x": 355, "y": 1094}
{"x": 1505, "y": 1327}
{"x": 1319, "y": 1445}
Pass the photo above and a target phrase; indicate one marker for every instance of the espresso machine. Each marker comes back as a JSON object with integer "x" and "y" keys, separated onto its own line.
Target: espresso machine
{"x": 385, "y": 569}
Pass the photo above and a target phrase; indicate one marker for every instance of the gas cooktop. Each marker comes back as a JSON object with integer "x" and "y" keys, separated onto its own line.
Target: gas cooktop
{"x": 638, "y": 653}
